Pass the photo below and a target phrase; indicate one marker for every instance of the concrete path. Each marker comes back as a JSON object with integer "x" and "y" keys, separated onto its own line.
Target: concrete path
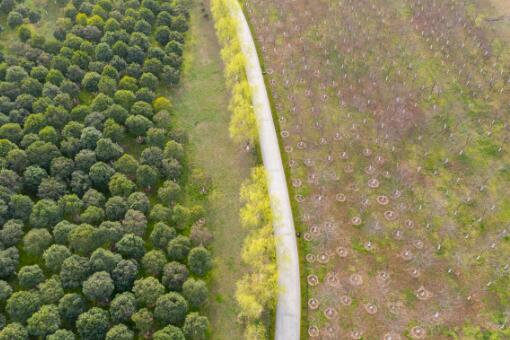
{"x": 288, "y": 310}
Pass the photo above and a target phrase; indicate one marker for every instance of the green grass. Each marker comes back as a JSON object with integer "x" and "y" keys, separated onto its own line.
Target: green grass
{"x": 200, "y": 108}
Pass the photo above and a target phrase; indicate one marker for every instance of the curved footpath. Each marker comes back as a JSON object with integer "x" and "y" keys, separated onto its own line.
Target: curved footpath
{"x": 288, "y": 310}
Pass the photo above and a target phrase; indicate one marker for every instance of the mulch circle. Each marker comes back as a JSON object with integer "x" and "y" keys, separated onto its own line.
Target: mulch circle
{"x": 418, "y": 332}
{"x": 313, "y": 331}
{"x": 313, "y": 280}
{"x": 313, "y": 304}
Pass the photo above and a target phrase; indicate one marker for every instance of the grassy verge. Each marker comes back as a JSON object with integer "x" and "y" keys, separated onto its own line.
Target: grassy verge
{"x": 200, "y": 106}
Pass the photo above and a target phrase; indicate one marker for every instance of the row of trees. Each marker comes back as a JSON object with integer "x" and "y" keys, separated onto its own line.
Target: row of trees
{"x": 256, "y": 291}
{"x": 243, "y": 123}
{"x": 95, "y": 241}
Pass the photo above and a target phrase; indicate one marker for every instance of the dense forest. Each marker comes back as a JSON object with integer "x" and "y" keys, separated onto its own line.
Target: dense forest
{"x": 96, "y": 239}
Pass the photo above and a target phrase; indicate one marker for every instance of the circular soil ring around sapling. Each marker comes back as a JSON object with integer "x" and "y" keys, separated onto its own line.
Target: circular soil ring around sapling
{"x": 340, "y": 197}
{"x": 391, "y": 336}
{"x": 313, "y": 304}
{"x": 346, "y": 300}
{"x": 373, "y": 183}
{"x": 418, "y": 332}
{"x": 356, "y": 279}
{"x": 323, "y": 258}
{"x": 313, "y": 331}
{"x": 383, "y": 200}
{"x": 313, "y": 280}
{"x": 356, "y": 335}
{"x": 371, "y": 308}
{"x": 390, "y": 215}
{"x": 330, "y": 313}
{"x": 342, "y": 252}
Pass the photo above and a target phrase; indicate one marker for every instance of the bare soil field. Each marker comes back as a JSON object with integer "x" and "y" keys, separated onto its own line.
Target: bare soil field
{"x": 393, "y": 117}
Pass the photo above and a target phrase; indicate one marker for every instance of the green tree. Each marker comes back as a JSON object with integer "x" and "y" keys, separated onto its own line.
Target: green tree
{"x": 61, "y": 232}
{"x": 44, "y": 322}
{"x": 113, "y": 130}
{"x": 90, "y": 81}
{"x": 174, "y": 275}
{"x": 24, "y": 33}
{"x": 143, "y": 320}
{"x": 131, "y": 246}
{"x": 171, "y": 308}
{"x": 104, "y": 260}
{"x": 169, "y": 333}
{"x": 54, "y": 256}
{"x": 138, "y": 125}
{"x": 71, "y": 206}
{"x": 156, "y": 137}
{"x": 126, "y": 165}
{"x": 139, "y": 201}
{"x": 196, "y": 292}
{"x": 21, "y": 305}
{"x": 62, "y": 334}
{"x": 134, "y": 222}
{"x": 160, "y": 213}
{"x": 147, "y": 290}
{"x": 83, "y": 239}
{"x": 174, "y": 150}
{"x": 124, "y": 274}
{"x": 153, "y": 262}
{"x": 169, "y": 192}
{"x": 5, "y": 291}
{"x": 107, "y": 85}
{"x": 107, "y": 151}
{"x": 94, "y": 198}
{"x": 199, "y": 261}
{"x": 93, "y": 324}
{"x": 71, "y": 306}
{"x": 30, "y": 276}
{"x": 17, "y": 160}
{"x": 98, "y": 287}
{"x": 89, "y": 137}
{"x": 14, "y": 331}
{"x": 51, "y": 290}
{"x": 161, "y": 234}
{"x": 146, "y": 176}
{"x": 119, "y": 332}
{"x": 152, "y": 156}
{"x": 36, "y": 241}
{"x": 12, "y": 132}
{"x": 42, "y": 153}
{"x": 120, "y": 185}
{"x": 92, "y": 215}
{"x": 51, "y": 188}
{"x": 162, "y": 35}
{"x": 45, "y": 213}
{"x": 75, "y": 269}
{"x": 103, "y": 52}
{"x": 196, "y": 327}
{"x": 124, "y": 98}
{"x": 62, "y": 167}
{"x": 116, "y": 208}
{"x": 9, "y": 260}
{"x": 100, "y": 174}
{"x": 122, "y": 307}
{"x": 11, "y": 233}
{"x": 178, "y": 248}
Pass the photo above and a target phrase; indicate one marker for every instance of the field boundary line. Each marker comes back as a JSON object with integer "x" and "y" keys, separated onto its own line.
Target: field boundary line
{"x": 288, "y": 309}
